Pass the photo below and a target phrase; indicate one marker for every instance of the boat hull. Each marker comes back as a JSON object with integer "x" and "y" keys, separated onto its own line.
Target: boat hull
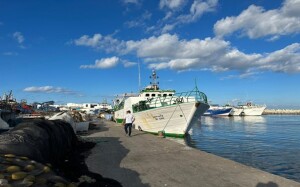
{"x": 253, "y": 111}
{"x": 248, "y": 111}
{"x": 236, "y": 111}
{"x": 218, "y": 112}
{"x": 174, "y": 120}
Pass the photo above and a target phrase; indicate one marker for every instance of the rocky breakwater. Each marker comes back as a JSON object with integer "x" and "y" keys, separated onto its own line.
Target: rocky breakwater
{"x": 281, "y": 112}
{"x": 45, "y": 153}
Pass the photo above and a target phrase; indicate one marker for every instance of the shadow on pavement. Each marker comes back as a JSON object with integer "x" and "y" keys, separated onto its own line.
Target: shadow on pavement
{"x": 269, "y": 184}
{"x": 106, "y": 157}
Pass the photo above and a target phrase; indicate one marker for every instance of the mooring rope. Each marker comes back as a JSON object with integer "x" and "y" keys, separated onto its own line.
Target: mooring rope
{"x": 173, "y": 114}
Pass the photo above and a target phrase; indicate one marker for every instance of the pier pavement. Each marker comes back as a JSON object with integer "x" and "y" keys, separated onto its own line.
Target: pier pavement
{"x": 147, "y": 160}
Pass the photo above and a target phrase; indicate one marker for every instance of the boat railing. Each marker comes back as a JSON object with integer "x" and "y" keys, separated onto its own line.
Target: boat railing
{"x": 183, "y": 97}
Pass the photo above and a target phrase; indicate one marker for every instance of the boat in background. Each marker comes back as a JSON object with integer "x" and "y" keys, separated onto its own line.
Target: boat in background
{"x": 162, "y": 111}
{"x": 248, "y": 109}
{"x": 236, "y": 111}
{"x": 216, "y": 110}
{"x": 3, "y": 124}
{"x": 89, "y": 108}
{"x": 78, "y": 120}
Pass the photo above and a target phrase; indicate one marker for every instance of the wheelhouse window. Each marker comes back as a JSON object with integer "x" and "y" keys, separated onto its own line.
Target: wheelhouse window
{"x": 153, "y": 95}
{"x": 170, "y": 94}
{"x": 147, "y": 95}
{"x": 159, "y": 95}
{"x": 165, "y": 95}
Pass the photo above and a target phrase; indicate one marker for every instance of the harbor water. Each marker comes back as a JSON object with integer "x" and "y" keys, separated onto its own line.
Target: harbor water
{"x": 269, "y": 142}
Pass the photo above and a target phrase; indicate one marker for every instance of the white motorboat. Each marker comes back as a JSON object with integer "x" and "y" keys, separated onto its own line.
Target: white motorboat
{"x": 248, "y": 109}
{"x": 164, "y": 111}
{"x": 216, "y": 110}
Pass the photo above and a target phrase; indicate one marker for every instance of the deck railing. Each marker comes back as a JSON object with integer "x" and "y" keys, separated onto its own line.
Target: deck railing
{"x": 183, "y": 97}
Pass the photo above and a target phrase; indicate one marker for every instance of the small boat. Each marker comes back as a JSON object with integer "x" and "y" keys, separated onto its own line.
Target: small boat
{"x": 248, "y": 109}
{"x": 78, "y": 121}
{"x": 3, "y": 124}
{"x": 216, "y": 110}
{"x": 162, "y": 111}
{"x": 89, "y": 108}
{"x": 8, "y": 110}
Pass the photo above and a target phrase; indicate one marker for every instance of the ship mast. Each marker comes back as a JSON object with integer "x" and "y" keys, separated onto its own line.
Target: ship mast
{"x": 139, "y": 68}
{"x": 154, "y": 83}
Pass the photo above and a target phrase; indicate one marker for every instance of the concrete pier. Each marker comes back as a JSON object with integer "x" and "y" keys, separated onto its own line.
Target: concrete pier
{"x": 147, "y": 160}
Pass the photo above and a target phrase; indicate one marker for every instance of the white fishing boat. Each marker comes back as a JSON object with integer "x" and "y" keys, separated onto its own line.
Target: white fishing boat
{"x": 248, "y": 109}
{"x": 236, "y": 111}
{"x": 164, "y": 111}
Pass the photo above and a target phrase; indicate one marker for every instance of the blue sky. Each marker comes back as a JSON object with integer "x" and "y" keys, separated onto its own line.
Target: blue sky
{"x": 87, "y": 51}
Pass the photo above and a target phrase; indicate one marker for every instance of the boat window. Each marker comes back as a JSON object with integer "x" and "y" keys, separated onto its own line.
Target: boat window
{"x": 165, "y": 95}
{"x": 86, "y": 105}
{"x": 153, "y": 95}
{"x": 147, "y": 95}
{"x": 159, "y": 95}
{"x": 170, "y": 94}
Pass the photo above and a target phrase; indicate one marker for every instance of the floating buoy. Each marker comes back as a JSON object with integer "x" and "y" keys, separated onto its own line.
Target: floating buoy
{"x": 12, "y": 169}
{"x": 18, "y": 175}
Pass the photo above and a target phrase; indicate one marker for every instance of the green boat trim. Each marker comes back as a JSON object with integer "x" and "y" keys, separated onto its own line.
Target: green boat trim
{"x": 156, "y": 133}
{"x": 173, "y": 135}
{"x": 156, "y": 91}
{"x": 119, "y": 120}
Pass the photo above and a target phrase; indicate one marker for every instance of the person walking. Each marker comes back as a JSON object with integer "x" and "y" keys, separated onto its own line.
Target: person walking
{"x": 128, "y": 120}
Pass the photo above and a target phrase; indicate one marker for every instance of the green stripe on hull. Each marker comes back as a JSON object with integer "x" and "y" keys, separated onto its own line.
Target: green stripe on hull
{"x": 119, "y": 120}
{"x": 156, "y": 133}
{"x": 168, "y": 134}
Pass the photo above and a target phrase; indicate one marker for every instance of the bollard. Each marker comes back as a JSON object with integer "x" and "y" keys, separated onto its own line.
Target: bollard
{"x": 161, "y": 134}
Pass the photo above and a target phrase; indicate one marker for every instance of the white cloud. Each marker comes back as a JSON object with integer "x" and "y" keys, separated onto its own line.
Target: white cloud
{"x": 167, "y": 28}
{"x": 140, "y": 21}
{"x": 210, "y": 54}
{"x": 256, "y": 22}
{"x": 245, "y": 75}
{"x": 128, "y": 64}
{"x": 131, "y": 1}
{"x": 85, "y": 40}
{"x": 169, "y": 46}
{"x": 103, "y": 63}
{"x": 286, "y": 60}
{"x": 18, "y": 36}
{"x": 172, "y": 19}
{"x": 48, "y": 89}
{"x": 10, "y": 53}
{"x": 107, "y": 43}
{"x": 171, "y": 4}
{"x": 198, "y": 8}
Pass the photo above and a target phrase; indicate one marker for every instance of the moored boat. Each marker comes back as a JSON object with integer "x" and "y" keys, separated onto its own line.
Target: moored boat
{"x": 164, "y": 111}
{"x": 3, "y": 124}
{"x": 248, "y": 109}
{"x": 216, "y": 110}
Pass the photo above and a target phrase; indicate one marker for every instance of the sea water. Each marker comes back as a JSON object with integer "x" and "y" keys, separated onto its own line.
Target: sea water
{"x": 269, "y": 142}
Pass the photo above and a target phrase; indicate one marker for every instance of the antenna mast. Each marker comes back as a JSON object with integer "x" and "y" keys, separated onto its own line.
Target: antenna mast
{"x": 139, "y": 68}
{"x": 154, "y": 83}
